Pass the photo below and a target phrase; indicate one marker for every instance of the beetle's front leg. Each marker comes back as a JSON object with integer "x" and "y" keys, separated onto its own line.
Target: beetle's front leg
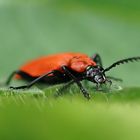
{"x": 109, "y": 81}
{"x": 97, "y": 86}
{"x": 79, "y": 84}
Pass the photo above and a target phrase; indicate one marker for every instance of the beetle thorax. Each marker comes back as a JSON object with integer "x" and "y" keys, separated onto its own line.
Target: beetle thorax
{"x": 80, "y": 63}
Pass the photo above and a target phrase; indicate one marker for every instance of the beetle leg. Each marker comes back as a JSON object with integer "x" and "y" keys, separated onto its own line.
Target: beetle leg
{"x": 96, "y": 58}
{"x": 114, "y": 78}
{"x": 34, "y": 81}
{"x": 97, "y": 86}
{"x": 109, "y": 81}
{"x": 85, "y": 93}
{"x": 11, "y": 76}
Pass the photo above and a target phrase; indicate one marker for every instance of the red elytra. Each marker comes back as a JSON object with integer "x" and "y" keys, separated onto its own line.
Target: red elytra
{"x": 75, "y": 61}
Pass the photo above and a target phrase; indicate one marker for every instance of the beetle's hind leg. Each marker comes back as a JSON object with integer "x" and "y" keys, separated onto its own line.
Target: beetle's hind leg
{"x": 96, "y": 58}
{"x": 38, "y": 79}
{"x": 11, "y": 76}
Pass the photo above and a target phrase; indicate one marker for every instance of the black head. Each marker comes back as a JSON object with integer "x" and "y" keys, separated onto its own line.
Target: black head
{"x": 95, "y": 74}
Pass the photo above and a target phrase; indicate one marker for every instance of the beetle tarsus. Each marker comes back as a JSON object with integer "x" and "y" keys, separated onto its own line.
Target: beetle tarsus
{"x": 20, "y": 87}
{"x": 85, "y": 93}
{"x": 87, "y": 96}
{"x": 97, "y": 86}
{"x": 109, "y": 81}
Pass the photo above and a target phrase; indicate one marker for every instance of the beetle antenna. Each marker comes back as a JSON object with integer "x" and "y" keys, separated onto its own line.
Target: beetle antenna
{"x": 123, "y": 61}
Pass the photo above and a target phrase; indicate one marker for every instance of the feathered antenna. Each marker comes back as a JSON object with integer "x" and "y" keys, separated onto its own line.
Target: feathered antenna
{"x": 122, "y": 62}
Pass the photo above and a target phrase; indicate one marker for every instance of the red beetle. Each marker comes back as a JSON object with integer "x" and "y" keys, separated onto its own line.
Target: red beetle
{"x": 66, "y": 68}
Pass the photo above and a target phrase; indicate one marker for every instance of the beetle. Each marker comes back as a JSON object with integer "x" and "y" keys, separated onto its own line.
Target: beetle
{"x": 68, "y": 68}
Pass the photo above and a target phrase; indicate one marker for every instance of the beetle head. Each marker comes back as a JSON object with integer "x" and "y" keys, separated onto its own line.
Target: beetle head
{"x": 95, "y": 74}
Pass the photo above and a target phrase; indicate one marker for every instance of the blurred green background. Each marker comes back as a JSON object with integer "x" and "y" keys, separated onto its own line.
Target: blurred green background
{"x": 29, "y": 29}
